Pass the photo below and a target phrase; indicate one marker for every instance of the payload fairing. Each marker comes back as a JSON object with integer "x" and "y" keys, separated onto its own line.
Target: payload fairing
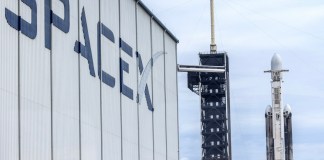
{"x": 278, "y": 119}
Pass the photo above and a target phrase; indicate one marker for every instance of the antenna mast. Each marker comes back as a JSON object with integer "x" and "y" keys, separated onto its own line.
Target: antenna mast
{"x": 213, "y": 47}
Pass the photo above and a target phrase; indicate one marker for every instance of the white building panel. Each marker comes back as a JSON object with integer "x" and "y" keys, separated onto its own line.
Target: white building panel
{"x": 35, "y": 88}
{"x": 145, "y": 114}
{"x": 89, "y": 84}
{"x": 9, "y": 147}
{"x": 158, "y": 94}
{"x": 111, "y": 111}
{"x": 65, "y": 79}
{"x": 171, "y": 98}
{"x": 128, "y": 104}
{"x": 61, "y": 100}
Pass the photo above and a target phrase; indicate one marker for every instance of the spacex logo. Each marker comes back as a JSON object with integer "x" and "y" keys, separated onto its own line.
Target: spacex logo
{"x": 63, "y": 24}
{"x": 142, "y": 87}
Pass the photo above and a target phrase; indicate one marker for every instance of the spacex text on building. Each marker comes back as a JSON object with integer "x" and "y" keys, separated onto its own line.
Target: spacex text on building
{"x": 29, "y": 29}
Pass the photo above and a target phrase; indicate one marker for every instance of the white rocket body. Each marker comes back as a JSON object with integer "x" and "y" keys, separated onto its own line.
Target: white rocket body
{"x": 275, "y": 114}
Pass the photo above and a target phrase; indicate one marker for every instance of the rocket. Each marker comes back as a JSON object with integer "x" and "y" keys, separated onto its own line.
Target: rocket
{"x": 278, "y": 118}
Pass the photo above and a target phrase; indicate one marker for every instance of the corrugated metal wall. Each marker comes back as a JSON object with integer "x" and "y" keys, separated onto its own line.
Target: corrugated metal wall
{"x": 145, "y": 115}
{"x": 65, "y": 87}
{"x": 171, "y": 98}
{"x": 35, "y": 91}
{"x": 89, "y": 85}
{"x": 63, "y": 103}
{"x": 158, "y": 94}
{"x": 9, "y": 146}
{"x": 111, "y": 97}
{"x": 129, "y": 108}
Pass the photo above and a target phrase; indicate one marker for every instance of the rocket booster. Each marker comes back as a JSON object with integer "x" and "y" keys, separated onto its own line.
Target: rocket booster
{"x": 278, "y": 119}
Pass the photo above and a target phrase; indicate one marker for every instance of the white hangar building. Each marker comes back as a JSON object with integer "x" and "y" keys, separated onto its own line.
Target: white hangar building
{"x": 86, "y": 80}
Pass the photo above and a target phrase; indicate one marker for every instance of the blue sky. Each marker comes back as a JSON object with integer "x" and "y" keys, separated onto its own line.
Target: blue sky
{"x": 251, "y": 32}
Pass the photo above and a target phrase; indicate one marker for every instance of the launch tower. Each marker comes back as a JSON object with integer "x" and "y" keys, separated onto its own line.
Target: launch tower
{"x": 213, "y": 89}
{"x": 210, "y": 80}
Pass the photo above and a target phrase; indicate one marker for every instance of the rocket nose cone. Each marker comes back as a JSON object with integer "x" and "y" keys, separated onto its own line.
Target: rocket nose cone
{"x": 287, "y": 108}
{"x": 276, "y": 62}
{"x": 268, "y": 110}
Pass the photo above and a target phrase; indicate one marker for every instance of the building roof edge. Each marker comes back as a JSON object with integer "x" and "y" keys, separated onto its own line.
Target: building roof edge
{"x": 147, "y": 10}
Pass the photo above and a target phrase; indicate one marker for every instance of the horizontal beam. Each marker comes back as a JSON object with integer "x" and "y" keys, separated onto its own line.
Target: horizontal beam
{"x": 211, "y": 69}
{"x": 202, "y": 66}
{"x": 270, "y": 71}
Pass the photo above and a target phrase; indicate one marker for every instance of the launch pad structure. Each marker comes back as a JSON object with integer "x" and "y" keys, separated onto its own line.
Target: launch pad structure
{"x": 210, "y": 80}
{"x": 213, "y": 89}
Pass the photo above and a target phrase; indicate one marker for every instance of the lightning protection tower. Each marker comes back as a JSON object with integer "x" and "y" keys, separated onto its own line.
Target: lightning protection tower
{"x": 210, "y": 80}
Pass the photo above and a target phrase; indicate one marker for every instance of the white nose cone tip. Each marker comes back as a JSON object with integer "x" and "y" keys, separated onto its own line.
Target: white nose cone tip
{"x": 276, "y": 62}
{"x": 287, "y": 108}
{"x": 268, "y": 110}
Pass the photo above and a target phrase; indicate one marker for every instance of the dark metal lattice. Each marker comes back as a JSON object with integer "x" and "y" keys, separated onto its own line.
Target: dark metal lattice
{"x": 215, "y": 107}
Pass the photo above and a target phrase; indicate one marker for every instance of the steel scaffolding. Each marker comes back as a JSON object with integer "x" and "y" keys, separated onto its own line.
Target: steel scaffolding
{"x": 213, "y": 89}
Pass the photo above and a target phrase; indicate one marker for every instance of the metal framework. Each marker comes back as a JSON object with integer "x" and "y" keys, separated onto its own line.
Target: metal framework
{"x": 213, "y": 88}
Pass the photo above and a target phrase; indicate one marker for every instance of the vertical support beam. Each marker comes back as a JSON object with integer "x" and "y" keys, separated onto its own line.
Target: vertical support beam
{"x": 213, "y": 47}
